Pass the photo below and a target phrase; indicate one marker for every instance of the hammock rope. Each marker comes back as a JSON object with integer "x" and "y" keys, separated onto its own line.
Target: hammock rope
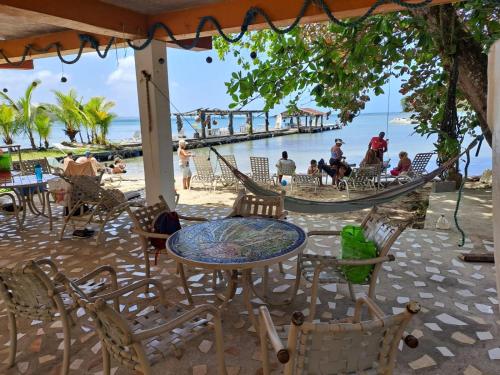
{"x": 322, "y": 207}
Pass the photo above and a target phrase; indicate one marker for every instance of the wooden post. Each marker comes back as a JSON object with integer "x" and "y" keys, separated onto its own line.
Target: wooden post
{"x": 316, "y": 121}
{"x": 230, "y": 125}
{"x": 494, "y": 124}
{"x": 250, "y": 122}
{"x": 156, "y": 127}
{"x": 202, "y": 119}
{"x": 267, "y": 121}
{"x": 321, "y": 123}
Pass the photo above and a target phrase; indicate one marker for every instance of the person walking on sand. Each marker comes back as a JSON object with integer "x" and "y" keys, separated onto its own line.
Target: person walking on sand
{"x": 379, "y": 145}
{"x": 184, "y": 156}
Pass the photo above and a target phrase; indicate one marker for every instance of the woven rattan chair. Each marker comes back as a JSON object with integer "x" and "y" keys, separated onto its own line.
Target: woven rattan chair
{"x": 91, "y": 203}
{"x": 320, "y": 269}
{"x": 11, "y": 197}
{"x": 28, "y": 166}
{"x": 205, "y": 173}
{"x": 31, "y": 292}
{"x": 143, "y": 219}
{"x": 227, "y": 176}
{"x": 140, "y": 340}
{"x": 260, "y": 170}
{"x": 350, "y": 346}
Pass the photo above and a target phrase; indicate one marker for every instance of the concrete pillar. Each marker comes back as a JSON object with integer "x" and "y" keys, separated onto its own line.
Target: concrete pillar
{"x": 156, "y": 127}
{"x": 494, "y": 123}
{"x": 230, "y": 126}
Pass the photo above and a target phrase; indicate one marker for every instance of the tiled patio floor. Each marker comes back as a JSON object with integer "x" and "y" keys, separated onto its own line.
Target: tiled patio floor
{"x": 457, "y": 327}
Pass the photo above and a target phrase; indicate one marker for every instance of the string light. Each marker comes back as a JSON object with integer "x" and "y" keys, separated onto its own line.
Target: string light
{"x": 253, "y": 55}
{"x": 5, "y": 90}
{"x": 252, "y": 13}
{"x": 209, "y": 59}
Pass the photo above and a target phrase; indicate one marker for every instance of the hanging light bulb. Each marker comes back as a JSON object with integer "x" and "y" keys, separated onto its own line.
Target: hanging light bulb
{"x": 253, "y": 55}
{"x": 64, "y": 79}
{"x": 34, "y": 84}
{"x": 5, "y": 89}
{"x": 209, "y": 59}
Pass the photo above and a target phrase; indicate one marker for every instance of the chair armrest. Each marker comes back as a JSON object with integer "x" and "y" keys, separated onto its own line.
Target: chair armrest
{"x": 192, "y": 218}
{"x": 143, "y": 233}
{"x": 152, "y": 332}
{"x": 334, "y": 261}
{"x": 103, "y": 269}
{"x": 134, "y": 286}
{"x": 49, "y": 263}
{"x": 373, "y": 309}
{"x": 268, "y": 329}
{"x": 323, "y": 233}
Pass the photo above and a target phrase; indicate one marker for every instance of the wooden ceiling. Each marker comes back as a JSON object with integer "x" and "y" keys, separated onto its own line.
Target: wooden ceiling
{"x": 40, "y": 23}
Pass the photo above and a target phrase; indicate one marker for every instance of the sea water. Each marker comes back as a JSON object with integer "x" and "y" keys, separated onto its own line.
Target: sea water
{"x": 300, "y": 147}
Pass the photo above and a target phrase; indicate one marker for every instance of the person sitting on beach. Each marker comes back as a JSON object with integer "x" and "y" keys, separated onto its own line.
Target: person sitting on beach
{"x": 404, "y": 164}
{"x": 118, "y": 167}
{"x": 336, "y": 150}
{"x": 370, "y": 158}
{"x": 379, "y": 145}
{"x": 67, "y": 159}
{"x": 184, "y": 156}
{"x": 89, "y": 157}
{"x": 313, "y": 169}
{"x": 285, "y": 166}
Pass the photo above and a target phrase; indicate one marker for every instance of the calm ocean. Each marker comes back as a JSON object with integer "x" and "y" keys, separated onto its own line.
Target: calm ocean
{"x": 302, "y": 147}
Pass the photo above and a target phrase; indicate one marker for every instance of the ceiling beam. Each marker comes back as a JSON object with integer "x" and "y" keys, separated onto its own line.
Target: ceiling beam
{"x": 26, "y": 65}
{"x": 90, "y": 16}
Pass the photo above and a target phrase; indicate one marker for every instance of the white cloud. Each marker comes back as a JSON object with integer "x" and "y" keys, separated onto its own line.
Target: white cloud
{"x": 124, "y": 73}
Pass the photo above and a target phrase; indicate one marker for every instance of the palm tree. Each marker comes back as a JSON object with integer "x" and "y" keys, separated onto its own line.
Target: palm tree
{"x": 99, "y": 117}
{"x": 8, "y": 125}
{"x": 43, "y": 126}
{"x": 24, "y": 110}
{"x": 68, "y": 111}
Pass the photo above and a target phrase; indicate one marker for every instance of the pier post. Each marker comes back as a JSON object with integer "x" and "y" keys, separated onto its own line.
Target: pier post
{"x": 494, "y": 124}
{"x": 267, "y": 121}
{"x": 203, "y": 119}
{"x": 156, "y": 127}
{"x": 321, "y": 123}
{"x": 250, "y": 122}
{"x": 230, "y": 125}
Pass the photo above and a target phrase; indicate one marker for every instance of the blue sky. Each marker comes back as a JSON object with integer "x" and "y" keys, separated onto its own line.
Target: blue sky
{"x": 192, "y": 82}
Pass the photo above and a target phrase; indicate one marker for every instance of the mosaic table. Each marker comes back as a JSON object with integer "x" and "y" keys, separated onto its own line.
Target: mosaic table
{"x": 236, "y": 244}
{"x": 26, "y": 188}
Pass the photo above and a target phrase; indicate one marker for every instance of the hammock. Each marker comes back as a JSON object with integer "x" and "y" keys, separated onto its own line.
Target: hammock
{"x": 319, "y": 207}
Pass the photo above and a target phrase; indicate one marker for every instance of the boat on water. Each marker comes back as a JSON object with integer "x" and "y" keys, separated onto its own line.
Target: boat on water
{"x": 403, "y": 121}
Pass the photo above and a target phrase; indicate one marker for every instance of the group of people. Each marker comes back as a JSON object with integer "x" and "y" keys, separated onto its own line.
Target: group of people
{"x": 116, "y": 168}
{"x": 337, "y": 167}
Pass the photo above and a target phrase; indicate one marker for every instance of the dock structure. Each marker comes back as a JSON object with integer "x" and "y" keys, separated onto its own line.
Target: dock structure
{"x": 313, "y": 120}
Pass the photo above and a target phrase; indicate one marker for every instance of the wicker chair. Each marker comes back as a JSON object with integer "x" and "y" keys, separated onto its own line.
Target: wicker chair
{"x": 28, "y": 166}
{"x": 30, "y": 292}
{"x": 260, "y": 170}
{"x": 10, "y": 195}
{"x": 140, "y": 340}
{"x": 143, "y": 219}
{"x": 91, "y": 203}
{"x": 227, "y": 177}
{"x": 205, "y": 173}
{"x": 326, "y": 269}
{"x": 350, "y": 346}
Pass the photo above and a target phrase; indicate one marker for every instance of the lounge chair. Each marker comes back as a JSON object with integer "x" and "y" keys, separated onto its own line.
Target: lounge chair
{"x": 141, "y": 339}
{"x": 364, "y": 178}
{"x": 322, "y": 269}
{"x": 205, "y": 173}
{"x": 305, "y": 181}
{"x": 260, "y": 170}
{"x": 286, "y": 170}
{"x": 227, "y": 177}
{"x": 348, "y": 346}
{"x": 418, "y": 168}
{"x": 30, "y": 290}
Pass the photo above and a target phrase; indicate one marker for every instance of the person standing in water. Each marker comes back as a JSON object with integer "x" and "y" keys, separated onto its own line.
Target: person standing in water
{"x": 379, "y": 145}
{"x": 184, "y": 156}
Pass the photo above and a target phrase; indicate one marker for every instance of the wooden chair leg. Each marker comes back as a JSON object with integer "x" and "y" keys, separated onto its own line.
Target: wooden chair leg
{"x": 282, "y": 270}
{"x": 106, "y": 361}
{"x": 219, "y": 346}
{"x": 144, "y": 245}
{"x": 185, "y": 284}
{"x": 265, "y": 281}
{"x": 13, "y": 339}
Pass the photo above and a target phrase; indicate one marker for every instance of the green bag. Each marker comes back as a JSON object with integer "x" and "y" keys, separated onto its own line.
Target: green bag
{"x": 5, "y": 162}
{"x": 355, "y": 246}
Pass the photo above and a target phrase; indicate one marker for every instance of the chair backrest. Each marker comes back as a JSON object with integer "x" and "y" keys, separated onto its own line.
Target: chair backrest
{"x": 143, "y": 217}
{"x": 84, "y": 188}
{"x": 345, "y": 348}
{"x": 253, "y": 205}
{"x": 378, "y": 228}
{"x": 420, "y": 161}
{"x": 226, "y": 173}
{"x": 260, "y": 169}
{"x": 204, "y": 169}
{"x": 26, "y": 291}
{"x": 287, "y": 169}
{"x": 28, "y": 166}
{"x": 80, "y": 169}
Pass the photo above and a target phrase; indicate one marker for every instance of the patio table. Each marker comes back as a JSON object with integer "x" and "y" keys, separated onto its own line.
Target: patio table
{"x": 25, "y": 188}
{"x": 236, "y": 244}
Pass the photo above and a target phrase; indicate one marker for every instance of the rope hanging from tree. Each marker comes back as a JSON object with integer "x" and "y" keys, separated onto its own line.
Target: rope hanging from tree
{"x": 251, "y": 15}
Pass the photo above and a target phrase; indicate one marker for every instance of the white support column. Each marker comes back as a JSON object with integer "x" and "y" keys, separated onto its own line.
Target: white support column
{"x": 156, "y": 128}
{"x": 494, "y": 123}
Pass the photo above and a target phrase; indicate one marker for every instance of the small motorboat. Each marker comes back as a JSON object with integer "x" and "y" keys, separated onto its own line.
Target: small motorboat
{"x": 403, "y": 121}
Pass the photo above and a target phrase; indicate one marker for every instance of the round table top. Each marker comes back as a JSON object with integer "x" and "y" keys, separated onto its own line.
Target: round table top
{"x": 20, "y": 181}
{"x": 236, "y": 243}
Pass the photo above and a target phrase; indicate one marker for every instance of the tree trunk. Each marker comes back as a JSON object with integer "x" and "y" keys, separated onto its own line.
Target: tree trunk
{"x": 46, "y": 141}
{"x": 472, "y": 62}
{"x": 32, "y": 139}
